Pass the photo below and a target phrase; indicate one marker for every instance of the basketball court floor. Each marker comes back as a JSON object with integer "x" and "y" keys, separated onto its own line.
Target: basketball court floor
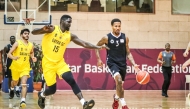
{"x": 136, "y": 99}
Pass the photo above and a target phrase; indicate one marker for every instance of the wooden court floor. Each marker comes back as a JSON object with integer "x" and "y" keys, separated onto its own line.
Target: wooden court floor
{"x": 136, "y": 99}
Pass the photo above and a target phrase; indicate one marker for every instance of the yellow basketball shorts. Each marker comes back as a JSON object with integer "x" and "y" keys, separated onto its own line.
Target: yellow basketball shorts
{"x": 50, "y": 69}
{"x": 16, "y": 74}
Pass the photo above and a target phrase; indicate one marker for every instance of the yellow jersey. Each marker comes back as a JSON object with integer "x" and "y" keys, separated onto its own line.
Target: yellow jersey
{"x": 23, "y": 51}
{"x": 54, "y": 44}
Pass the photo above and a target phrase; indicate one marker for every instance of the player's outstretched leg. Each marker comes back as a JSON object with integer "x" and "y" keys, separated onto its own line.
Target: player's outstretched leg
{"x": 68, "y": 77}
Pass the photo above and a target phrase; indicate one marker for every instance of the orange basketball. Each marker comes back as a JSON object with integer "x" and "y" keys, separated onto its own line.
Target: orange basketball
{"x": 143, "y": 77}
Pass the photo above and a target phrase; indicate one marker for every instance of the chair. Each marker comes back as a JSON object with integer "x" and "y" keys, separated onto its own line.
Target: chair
{"x": 95, "y": 6}
{"x": 187, "y": 77}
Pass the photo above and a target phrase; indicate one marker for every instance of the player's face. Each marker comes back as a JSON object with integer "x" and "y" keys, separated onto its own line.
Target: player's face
{"x": 116, "y": 27}
{"x": 167, "y": 47}
{"x": 25, "y": 35}
{"x": 66, "y": 24}
{"x": 12, "y": 40}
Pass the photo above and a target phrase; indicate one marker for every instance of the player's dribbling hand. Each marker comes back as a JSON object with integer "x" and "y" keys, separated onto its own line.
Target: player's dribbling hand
{"x": 47, "y": 27}
{"x": 34, "y": 59}
{"x": 185, "y": 54}
{"x": 136, "y": 68}
{"x": 100, "y": 63}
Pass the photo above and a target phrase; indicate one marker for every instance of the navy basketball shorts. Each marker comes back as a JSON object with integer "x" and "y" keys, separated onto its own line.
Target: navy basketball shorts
{"x": 115, "y": 70}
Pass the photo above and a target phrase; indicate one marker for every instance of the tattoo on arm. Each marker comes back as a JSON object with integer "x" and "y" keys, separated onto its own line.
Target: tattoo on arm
{"x": 129, "y": 55}
{"x": 100, "y": 43}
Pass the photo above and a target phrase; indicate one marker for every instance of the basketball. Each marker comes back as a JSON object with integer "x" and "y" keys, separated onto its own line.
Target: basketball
{"x": 143, "y": 77}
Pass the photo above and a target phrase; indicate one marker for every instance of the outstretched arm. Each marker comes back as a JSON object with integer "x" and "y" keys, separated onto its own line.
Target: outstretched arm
{"x": 15, "y": 45}
{"x": 185, "y": 54}
{"x": 84, "y": 44}
{"x": 43, "y": 30}
{"x": 188, "y": 47}
{"x": 103, "y": 41}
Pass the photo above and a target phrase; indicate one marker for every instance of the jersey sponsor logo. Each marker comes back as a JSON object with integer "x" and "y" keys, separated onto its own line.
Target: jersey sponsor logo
{"x": 122, "y": 40}
{"x": 57, "y": 42}
{"x": 111, "y": 41}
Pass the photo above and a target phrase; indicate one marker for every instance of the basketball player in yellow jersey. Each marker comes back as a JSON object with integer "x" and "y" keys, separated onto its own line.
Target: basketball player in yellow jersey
{"x": 20, "y": 53}
{"x": 54, "y": 44}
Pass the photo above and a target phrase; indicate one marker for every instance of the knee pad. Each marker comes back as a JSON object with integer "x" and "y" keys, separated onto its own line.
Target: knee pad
{"x": 51, "y": 90}
{"x": 68, "y": 77}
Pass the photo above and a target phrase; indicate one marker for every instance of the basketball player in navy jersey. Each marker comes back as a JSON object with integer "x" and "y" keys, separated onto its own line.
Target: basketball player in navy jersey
{"x": 116, "y": 59}
{"x": 6, "y": 64}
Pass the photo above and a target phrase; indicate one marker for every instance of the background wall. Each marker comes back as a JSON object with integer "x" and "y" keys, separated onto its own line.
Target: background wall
{"x": 143, "y": 30}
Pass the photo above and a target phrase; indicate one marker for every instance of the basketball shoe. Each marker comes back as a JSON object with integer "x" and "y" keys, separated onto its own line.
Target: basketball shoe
{"x": 115, "y": 104}
{"x": 23, "y": 104}
{"x": 88, "y": 104}
{"x": 125, "y": 107}
{"x": 11, "y": 94}
{"x": 41, "y": 101}
{"x": 17, "y": 93}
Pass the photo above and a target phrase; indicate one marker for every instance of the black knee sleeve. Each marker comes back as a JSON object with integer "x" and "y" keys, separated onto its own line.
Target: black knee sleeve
{"x": 50, "y": 90}
{"x": 68, "y": 77}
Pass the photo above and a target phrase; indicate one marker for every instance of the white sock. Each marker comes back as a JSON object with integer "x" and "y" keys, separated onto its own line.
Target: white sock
{"x": 116, "y": 97}
{"x": 22, "y": 99}
{"x": 12, "y": 88}
{"x": 122, "y": 100}
{"x": 17, "y": 88}
{"x": 42, "y": 94}
{"x": 82, "y": 101}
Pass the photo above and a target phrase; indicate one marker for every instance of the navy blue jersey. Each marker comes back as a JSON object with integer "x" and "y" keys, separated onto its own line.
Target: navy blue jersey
{"x": 9, "y": 61}
{"x": 117, "y": 53}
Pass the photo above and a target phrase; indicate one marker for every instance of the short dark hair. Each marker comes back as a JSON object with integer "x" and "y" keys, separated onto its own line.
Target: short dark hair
{"x": 12, "y": 37}
{"x": 167, "y": 44}
{"x": 23, "y": 30}
{"x": 115, "y": 20}
{"x": 64, "y": 17}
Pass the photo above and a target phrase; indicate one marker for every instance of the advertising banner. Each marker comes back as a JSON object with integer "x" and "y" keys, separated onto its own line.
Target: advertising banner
{"x": 83, "y": 65}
